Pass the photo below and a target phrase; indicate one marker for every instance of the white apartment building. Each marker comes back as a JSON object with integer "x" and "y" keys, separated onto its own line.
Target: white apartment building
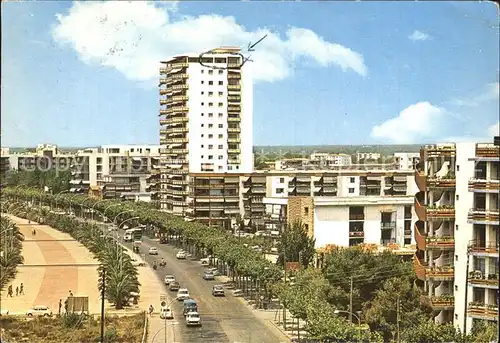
{"x": 406, "y": 160}
{"x": 457, "y": 231}
{"x": 206, "y": 124}
{"x": 326, "y": 160}
{"x": 367, "y": 156}
{"x": 116, "y": 171}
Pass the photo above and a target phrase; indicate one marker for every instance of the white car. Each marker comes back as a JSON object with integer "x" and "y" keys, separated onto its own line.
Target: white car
{"x": 166, "y": 313}
{"x": 168, "y": 279}
{"x": 137, "y": 263}
{"x": 153, "y": 251}
{"x": 205, "y": 261}
{"x": 182, "y": 294}
{"x": 181, "y": 255}
{"x": 193, "y": 319}
{"x": 39, "y": 311}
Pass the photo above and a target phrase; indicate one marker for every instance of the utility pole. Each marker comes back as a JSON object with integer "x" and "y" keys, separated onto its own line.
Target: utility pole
{"x": 285, "y": 242}
{"x": 102, "y": 303}
{"x": 350, "y": 300}
{"x": 466, "y": 291}
{"x": 398, "y": 311}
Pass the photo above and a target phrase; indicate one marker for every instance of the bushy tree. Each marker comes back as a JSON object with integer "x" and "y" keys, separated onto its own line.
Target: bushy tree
{"x": 296, "y": 245}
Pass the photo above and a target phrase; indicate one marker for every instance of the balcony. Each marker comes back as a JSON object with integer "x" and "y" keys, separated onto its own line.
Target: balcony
{"x": 178, "y": 140}
{"x": 486, "y": 249}
{"x": 387, "y": 225}
{"x": 441, "y": 242}
{"x": 169, "y": 67}
{"x": 419, "y": 238}
{"x": 421, "y": 181}
{"x": 234, "y": 65}
{"x": 233, "y": 108}
{"x": 173, "y": 120}
{"x": 356, "y": 217}
{"x": 477, "y": 309}
{"x": 175, "y": 109}
{"x": 233, "y": 151}
{"x": 356, "y": 234}
{"x": 441, "y": 183}
{"x": 424, "y": 272}
{"x": 177, "y": 98}
{"x": 487, "y": 150}
{"x": 176, "y": 151}
{"x": 177, "y": 182}
{"x": 439, "y": 150}
{"x": 234, "y": 76}
{"x": 477, "y": 216}
{"x": 173, "y": 77}
{"x": 444, "y": 212}
{"x": 177, "y": 192}
{"x": 440, "y": 302}
{"x": 235, "y": 98}
{"x": 177, "y": 171}
{"x": 234, "y": 140}
{"x": 234, "y": 130}
{"x": 178, "y": 87}
{"x": 163, "y": 80}
{"x": 233, "y": 87}
{"x": 420, "y": 210}
{"x": 484, "y": 186}
{"x": 233, "y": 161}
{"x": 479, "y": 279}
{"x": 163, "y": 91}
{"x": 234, "y": 119}
{"x": 176, "y": 130}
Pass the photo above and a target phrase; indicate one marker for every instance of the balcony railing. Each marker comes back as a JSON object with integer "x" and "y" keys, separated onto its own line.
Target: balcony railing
{"x": 479, "y": 185}
{"x": 233, "y": 151}
{"x": 421, "y": 181}
{"x": 478, "y": 278}
{"x": 234, "y": 140}
{"x": 177, "y": 98}
{"x": 438, "y": 150}
{"x": 356, "y": 234}
{"x": 233, "y": 87}
{"x": 478, "y": 247}
{"x": 234, "y": 76}
{"x": 479, "y": 309}
{"x": 174, "y": 109}
{"x": 440, "y": 212}
{"x": 173, "y": 120}
{"x": 176, "y": 130}
{"x": 356, "y": 217}
{"x": 441, "y": 183}
{"x": 419, "y": 238}
{"x": 387, "y": 225}
{"x": 234, "y": 129}
{"x": 424, "y": 272}
{"x": 234, "y": 119}
{"x": 477, "y": 216}
{"x": 487, "y": 150}
{"x": 441, "y": 302}
{"x": 442, "y": 242}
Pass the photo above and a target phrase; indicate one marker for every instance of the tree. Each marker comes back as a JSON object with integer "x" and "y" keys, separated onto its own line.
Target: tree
{"x": 425, "y": 330}
{"x": 10, "y": 239}
{"x": 296, "y": 244}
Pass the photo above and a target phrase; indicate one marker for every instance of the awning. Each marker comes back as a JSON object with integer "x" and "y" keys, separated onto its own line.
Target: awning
{"x": 75, "y": 182}
{"x": 174, "y": 145}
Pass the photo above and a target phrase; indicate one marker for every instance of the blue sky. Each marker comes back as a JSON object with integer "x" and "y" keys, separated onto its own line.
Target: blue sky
{"x": 328, "y": 73}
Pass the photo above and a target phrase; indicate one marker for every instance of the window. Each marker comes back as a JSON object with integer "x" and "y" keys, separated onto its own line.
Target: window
{"x": 210, "y": 157}
{"x": 210, "y": 136}
{"x": 210, "y": 126}
{"x": 221, "y": 104}
{"x": 210, "y": 93}
{"x": 221, "y": 146}
{"x": 202, "y": 93}
{"x": 202, "y": 104}
{"x": 282, "y": 180}
{"x": 202, "y": 114}
{"x": 202, "y": 82}
{"x": 210, "y": 83}
{"x": 221, "y": 157}
{"x": 220, "y": 115}
{"x": 457, "y": 197}
{"x": 201, "y": 156}
{"x": 221, "y": 83}
{"x": 351, "y": 190}
{"x": 456, "y": 289}
{"x": 352, "y": 180}
{"x": 202, "y": 146}
{"x": 210, "y": 72}
{"x": 221, "y": 126}
{"x": 210, "y": 146}
{"x": 458, "y": 167}
{"x": 202, "y": 135}
{"x": 221, "y": 72}
{"x": 210, "y": 104}
{"x": 306, "y": 211}
{"x": 203, "y": 71}
{"x": 220, "y": 167}
{"x": 221, "y": 136}
{"x": 202, "y": 125}
{"x": 210, "y": 115}
{"x": 456, "y": 227}
{"x": 280, "y": 190}
{"x": 456, "y": 257}
{"x": 221, "y": 93}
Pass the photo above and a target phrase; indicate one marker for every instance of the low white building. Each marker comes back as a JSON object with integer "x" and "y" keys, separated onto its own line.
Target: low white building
{"x": 406, "y": 160}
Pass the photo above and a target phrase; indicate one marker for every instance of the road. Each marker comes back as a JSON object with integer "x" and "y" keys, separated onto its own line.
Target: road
{"x": 224, "y": 319}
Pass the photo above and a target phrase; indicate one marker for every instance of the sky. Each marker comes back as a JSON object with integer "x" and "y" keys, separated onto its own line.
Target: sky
{"x": 86, "y": 74}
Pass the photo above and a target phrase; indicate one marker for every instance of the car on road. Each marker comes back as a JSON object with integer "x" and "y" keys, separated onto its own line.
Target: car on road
{"x": 208, "y": 275}
{"x": 189, "y": 305}
{"x": 214, "y": 271}
{"x": 205, "y": 261}
{"x": 39, "y": 311}
{"x": 181, "y": 255}
{"x": 193, "y": 319}
{"x": 137, "y": 263}
{"x": 168, "y": 279}
{"x": 174, "y": 286}
{"x": 218, "y": 291}
{"x": 182, "y": 294}
{"x": 166, "y": 313}
{"x": 153, "y": 251}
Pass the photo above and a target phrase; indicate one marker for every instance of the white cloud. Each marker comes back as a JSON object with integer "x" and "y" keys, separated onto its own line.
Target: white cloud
{"x": 133, "y": 37}
{"x": 491, "y": 93}
{"x": 494, "y": 130}
{"x": 414, "y": 123}
{"x": 419, "y": 36}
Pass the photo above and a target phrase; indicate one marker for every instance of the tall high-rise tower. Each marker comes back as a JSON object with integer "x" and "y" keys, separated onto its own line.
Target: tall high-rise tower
{"x": 206, "y": 120}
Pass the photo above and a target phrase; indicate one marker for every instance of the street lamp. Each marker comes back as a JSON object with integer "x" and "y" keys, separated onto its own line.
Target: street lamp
{"x": 119, "y": 214}
{"x": 123, "y": 222}
{"x": 112, "y": 205}
{"x": 61, "y": 192}
{"x": 165, "y": 324}
{"x": 81, "y": 205}
{"x": 356, "y": 316}
{"x": 93, "y": 206}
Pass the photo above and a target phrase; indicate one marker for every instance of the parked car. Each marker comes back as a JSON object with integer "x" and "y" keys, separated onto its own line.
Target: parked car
{"x": 208, "y": 275}
{"x": 218, "y": 291}
{"x": 193, "y": 319}
{"x": 181, "y": 255}
{"x": 166, "y": 313}
{"x": 153, "y": 251}
{"x": 168, "y": 279}
{"x": 182, "y": 294}
{"x": 39, "y": 311}
{"x": 174, "y": 286}
{"x": 137, "y": 263}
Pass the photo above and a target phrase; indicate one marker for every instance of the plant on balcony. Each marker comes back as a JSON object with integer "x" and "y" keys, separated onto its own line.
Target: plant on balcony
{"x": 441, "y": 239}
{"x": 446, "y": 298}
{"x": 492, "y": 307}
{"x": 476, "y": 305}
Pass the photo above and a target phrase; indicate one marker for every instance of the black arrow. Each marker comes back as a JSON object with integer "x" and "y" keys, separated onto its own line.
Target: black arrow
{"x": 252, "y": 46}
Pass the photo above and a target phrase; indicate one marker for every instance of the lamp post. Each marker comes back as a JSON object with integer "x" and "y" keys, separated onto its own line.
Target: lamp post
{"x": 356, "y": 316}
{"x": 61, "y": 192}
{"x": 119, "y": 214}
{"x": 82, "y": 205}
{"x": 93, "y": 206}
{"x": 112, "y": 205}
{"x": 124, "y": 221}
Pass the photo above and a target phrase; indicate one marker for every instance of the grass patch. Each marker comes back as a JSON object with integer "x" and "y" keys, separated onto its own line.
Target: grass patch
{"x": 72, "y": 329}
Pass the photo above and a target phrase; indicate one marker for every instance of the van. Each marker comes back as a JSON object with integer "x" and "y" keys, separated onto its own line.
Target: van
{"x": 189, "y": 305}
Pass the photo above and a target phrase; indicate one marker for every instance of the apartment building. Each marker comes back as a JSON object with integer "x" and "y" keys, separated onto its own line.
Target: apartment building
{"x": 220, "y": 199}
{"x": 206, "y": 120}
{"x": 456, "y": 233}
{"x": 406, "y": 160}
{"x": 44, "y": 157}
{"x": 129, "y": 172}
{"x": 367, "y": 156}
{"x": 4, "y": 163}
